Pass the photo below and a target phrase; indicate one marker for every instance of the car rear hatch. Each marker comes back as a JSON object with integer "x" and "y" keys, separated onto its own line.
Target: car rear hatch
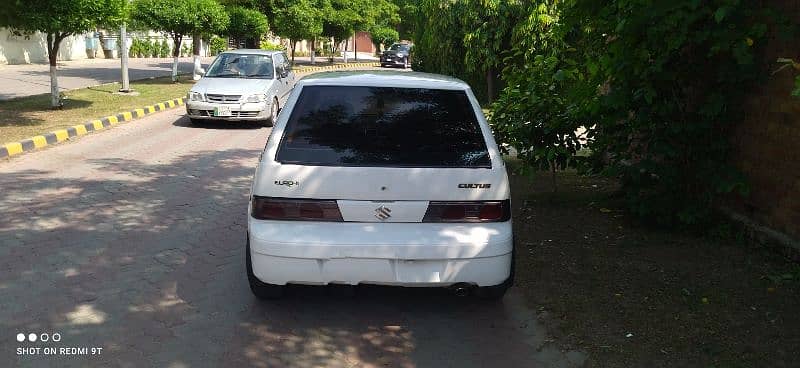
{"x": 385, "y": 155}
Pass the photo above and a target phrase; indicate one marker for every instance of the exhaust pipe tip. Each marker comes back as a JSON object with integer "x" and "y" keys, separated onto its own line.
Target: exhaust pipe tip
{"x": 461, "y": 289}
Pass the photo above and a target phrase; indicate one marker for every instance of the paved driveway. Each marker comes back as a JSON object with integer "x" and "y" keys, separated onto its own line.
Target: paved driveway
{"x": 132, "y": 240}
{"x": 34, "y": 79}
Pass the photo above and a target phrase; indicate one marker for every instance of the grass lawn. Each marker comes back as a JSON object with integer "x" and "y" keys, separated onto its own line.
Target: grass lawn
{"x": 29, "y": 116}
{"x": 633, "y": 296}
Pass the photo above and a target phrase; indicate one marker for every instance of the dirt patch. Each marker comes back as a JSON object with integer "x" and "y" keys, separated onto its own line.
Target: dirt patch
{"x": 633, "y": 296}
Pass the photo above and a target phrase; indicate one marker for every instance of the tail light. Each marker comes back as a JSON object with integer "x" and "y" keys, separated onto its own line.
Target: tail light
{"x": 267, "y": 208}
{"x": 476, "y": 211}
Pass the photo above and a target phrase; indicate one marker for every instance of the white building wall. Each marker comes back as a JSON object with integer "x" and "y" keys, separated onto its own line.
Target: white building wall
{"x": 33, "y": 49}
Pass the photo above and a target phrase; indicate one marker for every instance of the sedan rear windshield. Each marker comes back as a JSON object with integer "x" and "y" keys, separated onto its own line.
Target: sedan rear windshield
{"x": 381, "y": 126}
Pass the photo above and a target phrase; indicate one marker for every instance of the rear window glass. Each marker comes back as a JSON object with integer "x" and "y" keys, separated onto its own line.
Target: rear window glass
{"x": 381, "y": 126}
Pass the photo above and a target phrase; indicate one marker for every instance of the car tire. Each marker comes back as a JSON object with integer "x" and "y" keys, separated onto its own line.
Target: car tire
{"x": 496, "y": 292}
{"x": 273, "y": 113}
{"x": 260, "y": 289}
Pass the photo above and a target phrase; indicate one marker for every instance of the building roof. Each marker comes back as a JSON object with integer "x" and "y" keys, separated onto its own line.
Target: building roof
{"x": 383, "y": 78}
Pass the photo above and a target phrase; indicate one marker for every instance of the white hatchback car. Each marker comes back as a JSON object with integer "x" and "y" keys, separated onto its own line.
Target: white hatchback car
{"x": 242, "y": 85}
{"x": 380, "y": 177}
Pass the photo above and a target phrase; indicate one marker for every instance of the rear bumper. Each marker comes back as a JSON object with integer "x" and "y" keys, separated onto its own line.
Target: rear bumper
{"x": 380, "y": 253}
{"x": 239, "y": 112}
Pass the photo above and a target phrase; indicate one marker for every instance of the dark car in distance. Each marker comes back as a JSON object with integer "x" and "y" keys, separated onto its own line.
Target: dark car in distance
{"x": 397, "y": 55}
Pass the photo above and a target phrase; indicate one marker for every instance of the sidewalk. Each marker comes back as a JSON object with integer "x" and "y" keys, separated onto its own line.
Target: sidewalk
{"x": 33, "y": 79}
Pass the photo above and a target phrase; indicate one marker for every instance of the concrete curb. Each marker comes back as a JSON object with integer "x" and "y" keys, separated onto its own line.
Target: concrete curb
{"x": 39, "y": 141}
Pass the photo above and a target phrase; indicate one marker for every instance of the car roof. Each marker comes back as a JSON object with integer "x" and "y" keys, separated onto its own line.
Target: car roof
{"x": 253, "y": 52}
{"x": 383, "y": 78}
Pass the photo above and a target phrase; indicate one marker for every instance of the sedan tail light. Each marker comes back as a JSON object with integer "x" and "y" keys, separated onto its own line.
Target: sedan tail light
{"x": 268, "y": 208}
{"x": 473, "y": 211}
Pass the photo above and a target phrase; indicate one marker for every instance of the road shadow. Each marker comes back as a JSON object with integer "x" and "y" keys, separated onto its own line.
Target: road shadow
{"x": 184, "y": 122}
{"x": 146, "y": 260}
{"x": 19, "y": 112}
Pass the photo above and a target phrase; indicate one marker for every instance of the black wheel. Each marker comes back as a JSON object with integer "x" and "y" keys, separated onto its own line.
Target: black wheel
{"x": 260, "y": 289}
{"x": 273, "y": 113}
{"x": 496, "y": 292}
{"x": 492, "y": 292}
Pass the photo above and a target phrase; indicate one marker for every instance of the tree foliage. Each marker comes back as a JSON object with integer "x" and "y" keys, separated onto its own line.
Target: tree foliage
{"x": 382, "y": 35}
{"x": 298, "y": 21}
{"x": 59, "y": 19}
{"x": 179, "y": 18}
{"x": 656, "y": 83}
{"x": 246, "y": 23}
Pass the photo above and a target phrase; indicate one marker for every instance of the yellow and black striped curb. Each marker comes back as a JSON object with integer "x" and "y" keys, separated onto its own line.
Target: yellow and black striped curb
{"x": 334, "y": 67}
{"x": 39, "y": 141}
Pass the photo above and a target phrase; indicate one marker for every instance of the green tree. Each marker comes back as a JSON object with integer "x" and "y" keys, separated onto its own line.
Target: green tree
{"x": 59, "y": 19}
{"x": 248, "y": 24}
{"x": 179, "y": 18}
{"x": 382, "y": 35}
{"x": 298, "y": 21}
{"x": 337, "y": 22}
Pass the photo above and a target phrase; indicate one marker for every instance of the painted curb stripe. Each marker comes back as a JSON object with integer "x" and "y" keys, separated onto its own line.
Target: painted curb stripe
{"x": 171, "y": 104}
{"x": 27, "y": 144}
{"x": 162, "y": 107}
{"x": 150, "y": 109}
{"x": 139, "y": 113}
{"x": 39, "y": 141}
{"x": 97, "y": 124}
{"x": 14, "y": 148}
{"x": 4, "y": 152}
{"x": 61, "y": 135}
{"x": 127, "y": 116}
{"x": 113, "y": 120}
{"x": 50, "y": 138}
{"x": 80, "y": 129}
{"x": 72, "y": 131}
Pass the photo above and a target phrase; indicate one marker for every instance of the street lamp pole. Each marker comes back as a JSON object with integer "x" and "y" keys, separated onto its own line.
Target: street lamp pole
{"x": 123, "y": 36}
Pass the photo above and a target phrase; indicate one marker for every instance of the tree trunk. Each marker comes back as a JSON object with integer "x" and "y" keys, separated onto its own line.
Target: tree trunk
{"x": 176, "y": 52}
{"x": 197, "y": 69}
{"x": 53, "y": 42}
{"x": 553, "y": 176}
{"x": 344, "y": 54}
{"x": 490, "y": 81}
{"x": 355, "y": 46}
{"x": 313, "y": 49}
{"x": 294, "y": 44}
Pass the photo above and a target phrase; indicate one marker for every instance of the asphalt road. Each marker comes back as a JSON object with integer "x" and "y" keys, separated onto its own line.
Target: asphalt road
{"x": 132, "y": 240}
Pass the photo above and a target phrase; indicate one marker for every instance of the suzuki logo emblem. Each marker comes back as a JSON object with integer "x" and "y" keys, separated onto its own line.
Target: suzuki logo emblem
{"x": 382, "y": 213}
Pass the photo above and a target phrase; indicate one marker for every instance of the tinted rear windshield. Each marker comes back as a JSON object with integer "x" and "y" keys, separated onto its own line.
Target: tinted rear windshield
{"x": 381, "y": 126}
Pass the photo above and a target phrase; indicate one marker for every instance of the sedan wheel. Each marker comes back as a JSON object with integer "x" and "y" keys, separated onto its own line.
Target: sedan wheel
{"x": 273, "y": 113}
